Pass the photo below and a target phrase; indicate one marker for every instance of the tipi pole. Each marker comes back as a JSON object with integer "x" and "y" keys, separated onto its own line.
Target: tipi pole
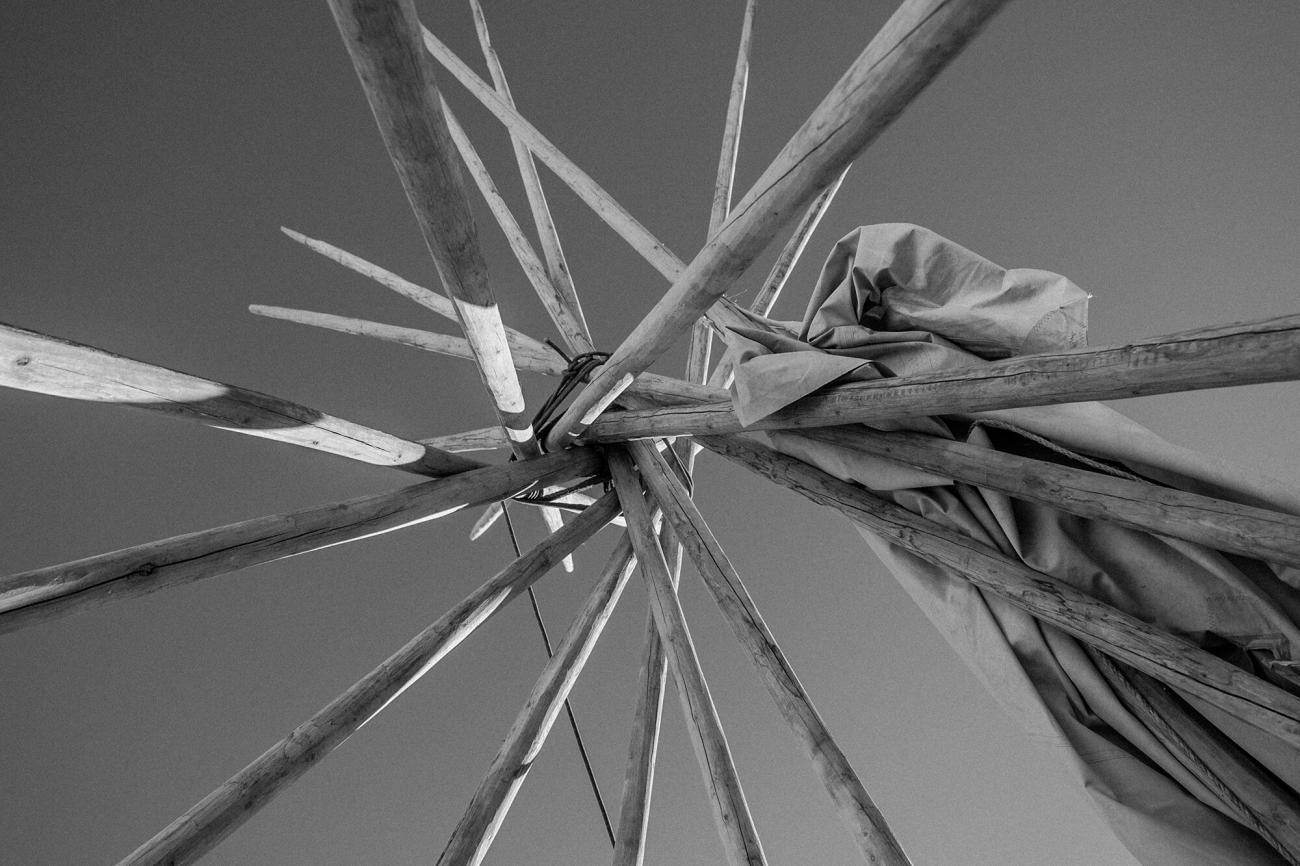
{"x": 855, "y": 806}
{"x": 1254, "y": 796}
{"x": 382, "y": 38}
{"x": 221, "y": 812}
{"x": 610, "y": 211}
{"x": 730, "y": 811}
{"x": 556, "y": 305}
{"x": 526, "y": 358}
{"x": 661, "y": 390}
{"x": 914, "y": 45}
{"x": 557, "y": 268}
{"x": 1169, "y": 659}
{"x": 643, "y": 746}
{"x": 46, "y": 365}
{"x": 1217, "y": 523}
{"x": 1238, "y": 354}
{"x": 697, "y": 356}
{"x": 427, "y": 298}
{"x": 794, "y": 247}
{"x": 46, "y": 593}
{"x": 487, "y": 809}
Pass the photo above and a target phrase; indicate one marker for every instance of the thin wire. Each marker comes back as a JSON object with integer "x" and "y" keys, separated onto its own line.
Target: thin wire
{"x": 573, "y": 721}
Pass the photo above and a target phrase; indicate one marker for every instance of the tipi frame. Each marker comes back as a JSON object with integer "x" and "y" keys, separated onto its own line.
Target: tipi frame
{"x": 638, "y": 433}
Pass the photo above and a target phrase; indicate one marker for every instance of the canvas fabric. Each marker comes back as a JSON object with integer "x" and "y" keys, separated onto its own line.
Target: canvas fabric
{"x": 897, "y": 300}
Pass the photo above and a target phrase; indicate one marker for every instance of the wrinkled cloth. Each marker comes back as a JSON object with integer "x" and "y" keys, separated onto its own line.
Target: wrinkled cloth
{"x": 897, "y": 300}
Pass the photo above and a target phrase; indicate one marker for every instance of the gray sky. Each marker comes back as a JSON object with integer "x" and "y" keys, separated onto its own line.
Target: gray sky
{"x": 151, "y": 152}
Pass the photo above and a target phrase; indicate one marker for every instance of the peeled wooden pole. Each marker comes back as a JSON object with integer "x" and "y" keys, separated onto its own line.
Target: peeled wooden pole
{"x": 557, "y": 267}
{"x": 643, "y": 746}
{"x": 697, "y": 363}
{"x": 1220, "y": 357}
{"x": 914, "y": 45}
{"x": 383, "y": 40}
{"x": 526, "y": 358}
{"x": 487, "y": 809}
{"x": 610, "y": 211}
{"x": 730, "y": 811}
{"x": 794, "y": 247}
{"x": 221, "y": 812}
{"x": 659, "y": 390}
{"x": 1169, "y": 659}
{"x": 1254, "y": 532}
{"x": 61, "y": 368}
{"x": 555, "y": 304}
{"x": 855, "y": 807}
{"x": 46, "y": 593}
{"x": 1249, "y": 790}
{"x": 426, "y": 298}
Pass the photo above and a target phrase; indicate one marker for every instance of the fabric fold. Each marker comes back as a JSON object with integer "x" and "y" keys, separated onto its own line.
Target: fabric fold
{"x": 896, "y": 300}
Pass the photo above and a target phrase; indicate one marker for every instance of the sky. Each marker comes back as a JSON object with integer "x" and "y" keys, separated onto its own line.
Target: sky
{"x": 152, "y": 150}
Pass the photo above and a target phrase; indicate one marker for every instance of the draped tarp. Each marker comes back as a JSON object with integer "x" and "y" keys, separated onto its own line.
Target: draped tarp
{"x": 895, "y": 300}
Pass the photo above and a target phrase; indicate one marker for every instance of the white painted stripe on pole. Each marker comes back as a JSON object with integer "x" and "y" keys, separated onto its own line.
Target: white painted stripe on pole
{"x": 487, "y": 335}
{"x": 603, "y": 403}
{"x": 522, "y": 435}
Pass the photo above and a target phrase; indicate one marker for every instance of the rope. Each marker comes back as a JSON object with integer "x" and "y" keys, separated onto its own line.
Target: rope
{"x": 573, "y": 721}
{"x": 579, "y": 370}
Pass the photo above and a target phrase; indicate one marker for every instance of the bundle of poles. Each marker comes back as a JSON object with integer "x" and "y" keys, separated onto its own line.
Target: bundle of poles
{"x": 636, "y": 434}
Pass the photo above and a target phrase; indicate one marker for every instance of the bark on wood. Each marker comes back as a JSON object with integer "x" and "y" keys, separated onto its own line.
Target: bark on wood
{"x": 1220, "y": 357}
{"x": 917, "y": 42}
{"x": 46, "y": 365}
{"x": 476, "y": 830}
{"x": 855, "y": 807}
{"x": 1170, "y": 659}
{"x": 221, "y": 812}
{"x": 45, "y": 593}
{"x": 1254, "y": 532}
{"x": 730, "y": 811}
{"x": 383, "y": 40}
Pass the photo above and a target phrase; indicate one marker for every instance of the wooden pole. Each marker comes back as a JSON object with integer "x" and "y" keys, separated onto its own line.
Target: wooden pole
{"x": 794, "y": 247}
{"x": 383, "y": 40}
{"x": 46, "y": 365}
{"x": 1254, "y": 795}
{"x": 482, "y": 439}
{"x": 478, "y": 827}
{"x": 610, "y": 211}
{"x": 659, "y": 390}
{"x": 221, "y": 812}
{"x": 526, "y": 358}
{"x": 1254, "y": 532}
{"x": 643, "y": 747}
{"x": 697, "y": 363}
{"x": 557, "y": 267}
{"x": 730, "y": 811}
{"x": 46, "y": 593}
{"x": 915, "y": 44}
{"x": 1169, "y": 659}
{"x": 426, "y": 298}
{"x": 856, "y": 808}
{"x": 1229, "y": 355}
{"x": 556, "y": 305}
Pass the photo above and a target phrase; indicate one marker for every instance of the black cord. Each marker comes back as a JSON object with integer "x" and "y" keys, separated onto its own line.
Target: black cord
{"x": 573, "y": 721}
